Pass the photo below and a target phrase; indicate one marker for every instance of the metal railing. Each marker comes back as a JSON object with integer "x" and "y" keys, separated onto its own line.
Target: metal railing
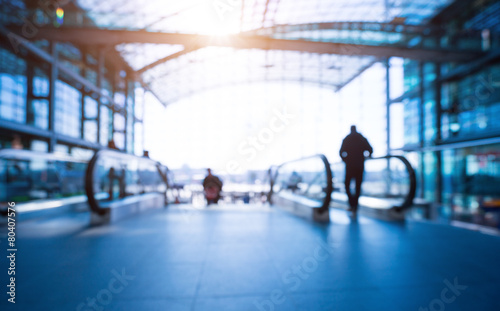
{"x": 308, "y": 178}
{"x": 39, "y": 181}
{"x": 46, "y": 180}
{"x": 388, "y": 182}
{"x": 112, "y": 176}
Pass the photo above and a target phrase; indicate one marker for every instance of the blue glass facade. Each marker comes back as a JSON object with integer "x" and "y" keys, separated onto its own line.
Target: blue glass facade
{"x": 452, "y": 128}
{"x": 13, "y": 87}
{"x": 105, "y": 125}
{"x": 472, "y": 105}
{"x": 58, "y": 94}
{"x": 90, "y": 123}
{"x": 81, "y": 117}
{"x": 67, "y": 112}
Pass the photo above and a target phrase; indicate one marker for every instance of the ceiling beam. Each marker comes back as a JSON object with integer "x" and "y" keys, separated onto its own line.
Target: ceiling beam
{"x": 428, "y": 30}
{"x": 165, "y": 59}
{"x": 359, "y": 73}
{"x": 95, "y": 36}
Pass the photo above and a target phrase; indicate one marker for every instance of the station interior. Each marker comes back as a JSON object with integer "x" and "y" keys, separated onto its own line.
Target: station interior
{"x": 198, "y": 155}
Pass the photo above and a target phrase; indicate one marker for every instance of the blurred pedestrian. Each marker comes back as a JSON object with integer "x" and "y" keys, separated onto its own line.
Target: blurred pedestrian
{"x": 213, "y": 187}
{"x": 352, "y": 152}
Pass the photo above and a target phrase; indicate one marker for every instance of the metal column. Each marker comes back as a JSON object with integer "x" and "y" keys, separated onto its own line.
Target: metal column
{"x": 388, "y": 121}
{"x": 125, "y": 107}
{"x": 30, "y": 113}
{"x": 388, "y": 103}
{"x": 52, "y": 94}
{"x": 100, "y": 78}
{"x": 421, "y": 126}
{"x": 82, "y": 98}
{"x": 438, "y": 111}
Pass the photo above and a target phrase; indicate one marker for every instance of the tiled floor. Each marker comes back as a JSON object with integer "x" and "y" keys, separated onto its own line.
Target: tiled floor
{"x": 251, "y": 258}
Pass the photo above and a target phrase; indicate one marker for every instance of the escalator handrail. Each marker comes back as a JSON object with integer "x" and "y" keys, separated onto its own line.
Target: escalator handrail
{"x": 21, "y": 154}
{"x": 408, "y": 201}
{"x": 329, "y": 176}
{"x": 89, "y": 176}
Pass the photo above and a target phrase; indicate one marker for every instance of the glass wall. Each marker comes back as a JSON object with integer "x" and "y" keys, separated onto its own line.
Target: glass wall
{"x": 429, "y": 176}
{"x": 104, "y": 128}
{"x": 471, "y": 182}
{"x": 13, "y": 87}
{"x": 130, "y": 118}
{"x": 138, "y": 139}
{"x": 429, "y": 102}
{"x": 40, "y": 105}
{"x": 472, "y": 105}
{"x": 411, "y": 121}
{"x": 119, "y": 125}
{"x": 468, "y": 178}
{"x": 67, "y": 112}
{"x": 411, "y": 103}
{"x": 90, "y": 123}
{"x": 25, "y": 99}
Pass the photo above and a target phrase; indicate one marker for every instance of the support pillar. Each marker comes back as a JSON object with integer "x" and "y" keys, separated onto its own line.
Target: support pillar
{"x": 100, "y": 78}
{"x": 115, "y": 108}
{"x": 52, "y": 94}
{"x": 388, "y": 104}
{"x": 388, "y": 122}
{"x": 438, "y": 111}
{"x": 126, "y": 109}
{"x": 82, "y": 98}
{"x": 143, "y": 128}
{"x": 421, "y": 126}
{"x": 132, "y": 117}
{"x": 30, "y": 112}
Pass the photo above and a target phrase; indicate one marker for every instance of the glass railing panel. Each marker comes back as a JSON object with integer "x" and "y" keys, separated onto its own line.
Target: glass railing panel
{"x": 308, "y": 178}
{"x": 114, "y": 176}
{"x": 390, "y": 179}
{"x": 28, "y": 176}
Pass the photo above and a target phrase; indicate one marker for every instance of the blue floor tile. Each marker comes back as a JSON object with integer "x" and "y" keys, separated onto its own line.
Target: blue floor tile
{"x": 262, "y": 260}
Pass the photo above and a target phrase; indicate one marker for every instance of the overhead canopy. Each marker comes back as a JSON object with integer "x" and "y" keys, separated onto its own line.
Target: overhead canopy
{"x": 201, "y": 16}
{"x": 182, "y": 47}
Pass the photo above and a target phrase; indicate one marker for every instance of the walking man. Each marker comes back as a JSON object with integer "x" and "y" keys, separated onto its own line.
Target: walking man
{"x": 352, "y": 153}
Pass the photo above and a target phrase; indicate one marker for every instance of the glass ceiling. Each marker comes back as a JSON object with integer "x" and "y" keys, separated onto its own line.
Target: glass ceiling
{"x": 206, "y": 16}
{"x": 216, "y": 67}
{"x": 211, "y": 67}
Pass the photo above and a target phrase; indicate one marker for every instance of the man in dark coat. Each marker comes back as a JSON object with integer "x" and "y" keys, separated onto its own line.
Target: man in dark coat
{"x": 352, "y": 153}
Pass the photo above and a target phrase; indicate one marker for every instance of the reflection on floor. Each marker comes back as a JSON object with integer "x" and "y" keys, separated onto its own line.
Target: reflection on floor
{"x": 261, "y": 259}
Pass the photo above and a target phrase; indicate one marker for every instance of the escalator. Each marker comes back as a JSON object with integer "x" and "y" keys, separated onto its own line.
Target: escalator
{"x": 389, "y": 182}
{"x": 47, "y": 184}
{"x": 303, "y": 187}
{"x": 310, "y": 186}
{"x": 119, "y": 184}
{"x": 41, "y": 182}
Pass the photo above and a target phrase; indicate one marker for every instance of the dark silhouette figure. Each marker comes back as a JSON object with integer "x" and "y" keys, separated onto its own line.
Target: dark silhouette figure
{"x": 120, "y": 177}
{"x": 112, "y": 145}
{"x": 213, "y": 186}
{"x": 352, "y": 153}
{"x": 294, "y": 181}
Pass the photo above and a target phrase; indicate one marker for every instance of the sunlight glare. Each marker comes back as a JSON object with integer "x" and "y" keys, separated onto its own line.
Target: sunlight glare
{"x": 213, "y": 18}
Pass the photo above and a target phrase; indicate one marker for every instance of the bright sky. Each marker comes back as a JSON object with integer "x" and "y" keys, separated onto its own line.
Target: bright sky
{"x": 256, "y": 125}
